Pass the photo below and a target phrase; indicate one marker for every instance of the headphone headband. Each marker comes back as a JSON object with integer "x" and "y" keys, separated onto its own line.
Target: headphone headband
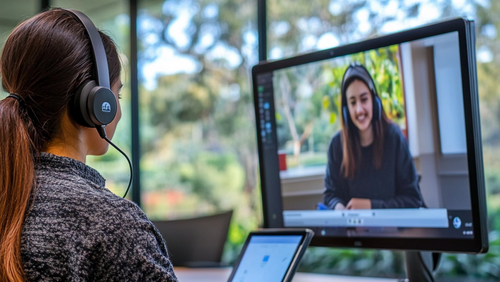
{"x": 356, "y": 70}
{"x": 100, "y": 61}
{"x": 94, "y": 104}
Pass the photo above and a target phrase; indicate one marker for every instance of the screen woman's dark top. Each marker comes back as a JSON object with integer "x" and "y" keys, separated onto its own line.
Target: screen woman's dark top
{"x": 394, "y": 185}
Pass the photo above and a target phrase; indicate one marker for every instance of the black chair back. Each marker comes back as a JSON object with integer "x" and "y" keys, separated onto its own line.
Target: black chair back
{"x": 196, "y": 242}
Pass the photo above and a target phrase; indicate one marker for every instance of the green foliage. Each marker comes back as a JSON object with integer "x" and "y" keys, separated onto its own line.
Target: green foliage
{"x": 197, "y": 129}
{"x": 353, "y": 262}
{"x": 484, "y": 266}
{"x": 209, "y": 171}
{"x": 383, "y": 65}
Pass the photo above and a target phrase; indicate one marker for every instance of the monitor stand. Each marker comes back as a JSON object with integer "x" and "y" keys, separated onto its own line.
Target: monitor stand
{"x": 420, "y": 266}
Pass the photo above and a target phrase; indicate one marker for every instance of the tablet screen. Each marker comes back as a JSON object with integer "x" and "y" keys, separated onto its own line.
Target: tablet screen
{"x": 267, "y": 258}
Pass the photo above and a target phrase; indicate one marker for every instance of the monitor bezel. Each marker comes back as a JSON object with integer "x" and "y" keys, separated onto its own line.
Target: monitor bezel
{"x": 271, "y": 197}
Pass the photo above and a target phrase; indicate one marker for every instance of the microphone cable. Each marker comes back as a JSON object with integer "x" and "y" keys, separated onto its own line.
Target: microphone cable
{"x": 102, "y": 133}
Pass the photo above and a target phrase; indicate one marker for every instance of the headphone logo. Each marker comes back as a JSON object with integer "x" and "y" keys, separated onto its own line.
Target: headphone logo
{"x": 106, "y": 107}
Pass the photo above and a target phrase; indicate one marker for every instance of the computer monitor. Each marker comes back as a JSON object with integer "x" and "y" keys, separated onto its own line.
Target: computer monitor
{"x": 376, "y": 144}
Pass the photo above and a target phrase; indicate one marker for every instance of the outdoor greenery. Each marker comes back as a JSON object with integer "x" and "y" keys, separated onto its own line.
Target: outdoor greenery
{"x": 197, "y": 122}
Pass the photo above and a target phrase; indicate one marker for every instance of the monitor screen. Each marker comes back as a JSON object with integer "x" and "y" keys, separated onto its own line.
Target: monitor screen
{"x": 376, "y": 144}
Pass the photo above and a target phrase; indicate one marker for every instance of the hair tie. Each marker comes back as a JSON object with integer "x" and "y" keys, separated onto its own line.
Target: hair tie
{"x": 17, "y": 97}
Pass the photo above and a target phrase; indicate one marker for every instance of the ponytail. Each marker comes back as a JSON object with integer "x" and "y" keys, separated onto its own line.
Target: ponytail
{"x": 17, "y": 179}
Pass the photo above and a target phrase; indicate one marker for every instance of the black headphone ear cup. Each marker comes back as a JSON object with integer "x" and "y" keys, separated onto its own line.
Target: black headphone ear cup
{"x": 79, "y": 104}
{"x": 345, "y": 114}
{"x": 93, "y": 105}
{"x": 101, "y": 105}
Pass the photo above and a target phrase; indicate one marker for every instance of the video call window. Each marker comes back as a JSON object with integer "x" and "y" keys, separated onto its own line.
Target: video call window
{"x": 410, "y": 176}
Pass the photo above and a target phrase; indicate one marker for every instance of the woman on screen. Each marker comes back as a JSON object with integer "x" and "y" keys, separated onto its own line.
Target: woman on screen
{"x": 369, "y": 162}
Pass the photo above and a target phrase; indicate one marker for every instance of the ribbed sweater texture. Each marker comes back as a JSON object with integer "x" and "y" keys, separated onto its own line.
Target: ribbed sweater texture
{"x": 77, "y": 230}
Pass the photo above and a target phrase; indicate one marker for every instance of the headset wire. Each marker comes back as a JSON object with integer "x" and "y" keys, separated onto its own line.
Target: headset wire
{"x": 129, "y": 163}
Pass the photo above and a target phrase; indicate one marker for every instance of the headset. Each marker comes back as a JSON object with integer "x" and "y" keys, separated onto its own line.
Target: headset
{"x": 358, "y": 71}
{"x": 94, "y": 104}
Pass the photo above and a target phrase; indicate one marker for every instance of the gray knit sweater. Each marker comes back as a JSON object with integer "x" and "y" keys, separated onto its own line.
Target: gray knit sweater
{"x": 77, "y": 230}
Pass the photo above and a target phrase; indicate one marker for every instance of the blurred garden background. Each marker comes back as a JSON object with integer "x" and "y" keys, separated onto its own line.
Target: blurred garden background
{"x": 197, "y": 125}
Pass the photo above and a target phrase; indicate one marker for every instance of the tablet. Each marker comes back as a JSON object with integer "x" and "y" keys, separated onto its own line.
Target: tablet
{"x": 271, "y": 255}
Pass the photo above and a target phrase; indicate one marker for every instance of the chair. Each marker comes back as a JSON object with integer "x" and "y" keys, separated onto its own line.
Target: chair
{"x": 196, "y": 242}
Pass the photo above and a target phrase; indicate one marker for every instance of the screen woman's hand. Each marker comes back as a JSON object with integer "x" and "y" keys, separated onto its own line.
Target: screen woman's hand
{"x": 359, "y": 204}
{"x": 339, "y": 206}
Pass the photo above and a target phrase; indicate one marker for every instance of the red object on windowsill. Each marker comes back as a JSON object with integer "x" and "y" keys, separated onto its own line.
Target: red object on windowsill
{"x": 282, "y": 160}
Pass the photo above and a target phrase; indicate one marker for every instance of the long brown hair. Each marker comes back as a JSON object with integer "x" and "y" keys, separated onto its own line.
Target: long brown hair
{"x": 351, "y": 143}
{"x": 44, "y": 60}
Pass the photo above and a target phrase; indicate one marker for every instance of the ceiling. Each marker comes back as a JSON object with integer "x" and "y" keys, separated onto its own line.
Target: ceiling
{"x": 13, "y": 12}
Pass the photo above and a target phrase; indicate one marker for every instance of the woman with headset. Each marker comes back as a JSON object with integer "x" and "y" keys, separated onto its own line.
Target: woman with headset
{"x": 58, "y": 222}
{"x": 369, "y": 162}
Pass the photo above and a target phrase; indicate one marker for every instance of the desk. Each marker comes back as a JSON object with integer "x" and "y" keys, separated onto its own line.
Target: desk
{"x": 222, "y": 274}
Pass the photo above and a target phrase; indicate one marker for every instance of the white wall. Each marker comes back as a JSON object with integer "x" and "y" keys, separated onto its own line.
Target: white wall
{"x": 436, "y": 124}
{"x": 449, "y": 94}
{"x": 418, "y": 84}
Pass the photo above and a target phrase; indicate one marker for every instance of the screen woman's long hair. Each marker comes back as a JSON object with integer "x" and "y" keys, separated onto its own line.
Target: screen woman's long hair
{"x": 351, "y": 143}
{"x": 44, "y": 60}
